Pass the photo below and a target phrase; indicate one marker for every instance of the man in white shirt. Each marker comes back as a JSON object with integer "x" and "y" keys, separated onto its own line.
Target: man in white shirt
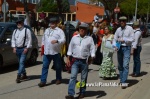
{"x": 81, "y": 48}
{"x": 21, "y": 42}
{"x": 125, "y": 36}
{"x": 52, "y": 40}
{"x": 136, "y": 50}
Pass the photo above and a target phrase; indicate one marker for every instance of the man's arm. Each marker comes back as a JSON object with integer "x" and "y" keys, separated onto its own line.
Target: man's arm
{"x": 13, "y": 39}
{"x": 62, "y": 39}
{"x": 29, "y": 44}
{"x": 69, "y": 53}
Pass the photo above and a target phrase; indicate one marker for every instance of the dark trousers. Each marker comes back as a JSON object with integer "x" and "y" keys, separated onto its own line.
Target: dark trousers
{"x": 46, "y": 62}
{"x": 98, "y": 56}
{"x": 137, "y": 61}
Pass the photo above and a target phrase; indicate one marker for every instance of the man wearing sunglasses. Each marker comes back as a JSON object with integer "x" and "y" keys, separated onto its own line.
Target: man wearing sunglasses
{"x": 21, "y": 42}
{"x": 125, "y": 36}
{"x": 81, "y": 48}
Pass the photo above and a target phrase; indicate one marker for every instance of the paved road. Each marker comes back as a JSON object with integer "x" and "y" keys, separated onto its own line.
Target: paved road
{"x": 138, "y": 87}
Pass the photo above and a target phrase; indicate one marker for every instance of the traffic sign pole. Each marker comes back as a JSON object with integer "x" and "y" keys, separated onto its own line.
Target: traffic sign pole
{"x": 5, "y": 7}
{"x": 4, "y": 11}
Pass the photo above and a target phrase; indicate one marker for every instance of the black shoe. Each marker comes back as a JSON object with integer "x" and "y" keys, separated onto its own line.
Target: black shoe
{"x": 123, "y": 87}
{"x": 41, "y": 84}
{"x": 69, "y": 97}
{"x": 136, "y": 75}
{"x": 81, "y": 96}
{"x": 24, "y": 76}
{"x": 131, "y": 74}
{"x": 18, "y": 79}
{"x": 58, "y": 82}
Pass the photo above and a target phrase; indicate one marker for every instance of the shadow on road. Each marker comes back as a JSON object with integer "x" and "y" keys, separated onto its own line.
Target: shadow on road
{"x": 63, "y": 81}
{"x": 143, "y": 73}
{"x": 94, "y": 93}
{"x": 14, "y": 67}
{"x": 32, "y": 77}
{"x": 132, "y": 82}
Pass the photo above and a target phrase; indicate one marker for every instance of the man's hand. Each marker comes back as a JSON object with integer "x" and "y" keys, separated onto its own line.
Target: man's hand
{"x": 54, "y": 41}
{"x": 68, "y": 62}
{"x": 90, "y": 60}
{"x": 116, "y": 49}
{"x": 121, "y": 40}
{"x": 14, "y": 50}
{"x": 25, "y": 51}
{"x": 132, "y": 51}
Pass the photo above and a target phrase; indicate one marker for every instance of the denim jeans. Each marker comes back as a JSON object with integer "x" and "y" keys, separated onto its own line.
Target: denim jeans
{"x": 74, "y": 71}
{"x": 123, "y": 56}
{"x": 46, "y": 62}
{"x": 21, "y": 58}
{"x": 137, "y": 61}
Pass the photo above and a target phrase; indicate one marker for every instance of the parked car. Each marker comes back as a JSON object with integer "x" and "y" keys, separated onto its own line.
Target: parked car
{"x": 7, "y": 57}
{"x": 144, "y": 30}
{"x": 148, "y": 29}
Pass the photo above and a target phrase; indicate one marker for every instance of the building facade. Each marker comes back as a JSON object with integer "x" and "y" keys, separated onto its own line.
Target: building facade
{"x": 17, "y": 5}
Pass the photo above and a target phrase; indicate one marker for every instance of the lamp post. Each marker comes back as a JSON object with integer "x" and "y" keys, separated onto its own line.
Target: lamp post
{"x": 4, "y": 11}
{"x": 136, "y": 10}
{"x": 116, "y": 10}
{"x": 147, "y": 13}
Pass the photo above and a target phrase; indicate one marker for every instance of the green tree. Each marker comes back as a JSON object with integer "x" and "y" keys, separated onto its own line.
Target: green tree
{"x": 109, "y": 4}
{"x": 47, "y": 6}
{"x": 51, "y": 6}
{"x": 65, "y": 6}
{"x": 128, "y": 7}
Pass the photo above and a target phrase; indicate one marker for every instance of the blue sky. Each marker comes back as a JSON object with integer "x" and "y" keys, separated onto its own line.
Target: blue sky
{"x": 72, "y": 2}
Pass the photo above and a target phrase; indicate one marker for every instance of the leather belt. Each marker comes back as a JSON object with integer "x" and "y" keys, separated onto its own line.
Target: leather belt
{"x": 21, "y": 47}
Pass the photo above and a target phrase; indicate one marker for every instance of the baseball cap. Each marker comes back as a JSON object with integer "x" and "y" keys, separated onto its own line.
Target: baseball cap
{"x": 84, "y": 25}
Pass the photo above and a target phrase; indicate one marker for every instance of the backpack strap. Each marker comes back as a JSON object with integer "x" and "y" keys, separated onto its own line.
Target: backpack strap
{"x": 25, "y": 37}
{"x": 136, "y": 31}
{"x": 15, "y": 32}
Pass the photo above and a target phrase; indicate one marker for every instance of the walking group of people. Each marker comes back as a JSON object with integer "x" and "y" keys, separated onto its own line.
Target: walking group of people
{"x": 83, "y": 49}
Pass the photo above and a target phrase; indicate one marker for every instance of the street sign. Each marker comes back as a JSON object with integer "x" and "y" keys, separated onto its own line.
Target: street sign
{"x": 3, "y": 7}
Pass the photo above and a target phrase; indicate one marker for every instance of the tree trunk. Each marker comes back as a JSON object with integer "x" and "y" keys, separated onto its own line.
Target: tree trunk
{"x": 59, "y": 4}
{"x": 27, "y": 12}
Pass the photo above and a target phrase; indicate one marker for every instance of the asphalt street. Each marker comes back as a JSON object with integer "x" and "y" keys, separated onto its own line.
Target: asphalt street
{"x": 138, "y": 87}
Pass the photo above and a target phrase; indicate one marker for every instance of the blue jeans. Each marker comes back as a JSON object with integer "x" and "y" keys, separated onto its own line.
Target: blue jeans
{"x": 46, "y": 62}
{"x": 137, "y": 61}
{"x": 21, "y": 58}
{"x": 74, "y": 71}
{"x": 123, "y": 56}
